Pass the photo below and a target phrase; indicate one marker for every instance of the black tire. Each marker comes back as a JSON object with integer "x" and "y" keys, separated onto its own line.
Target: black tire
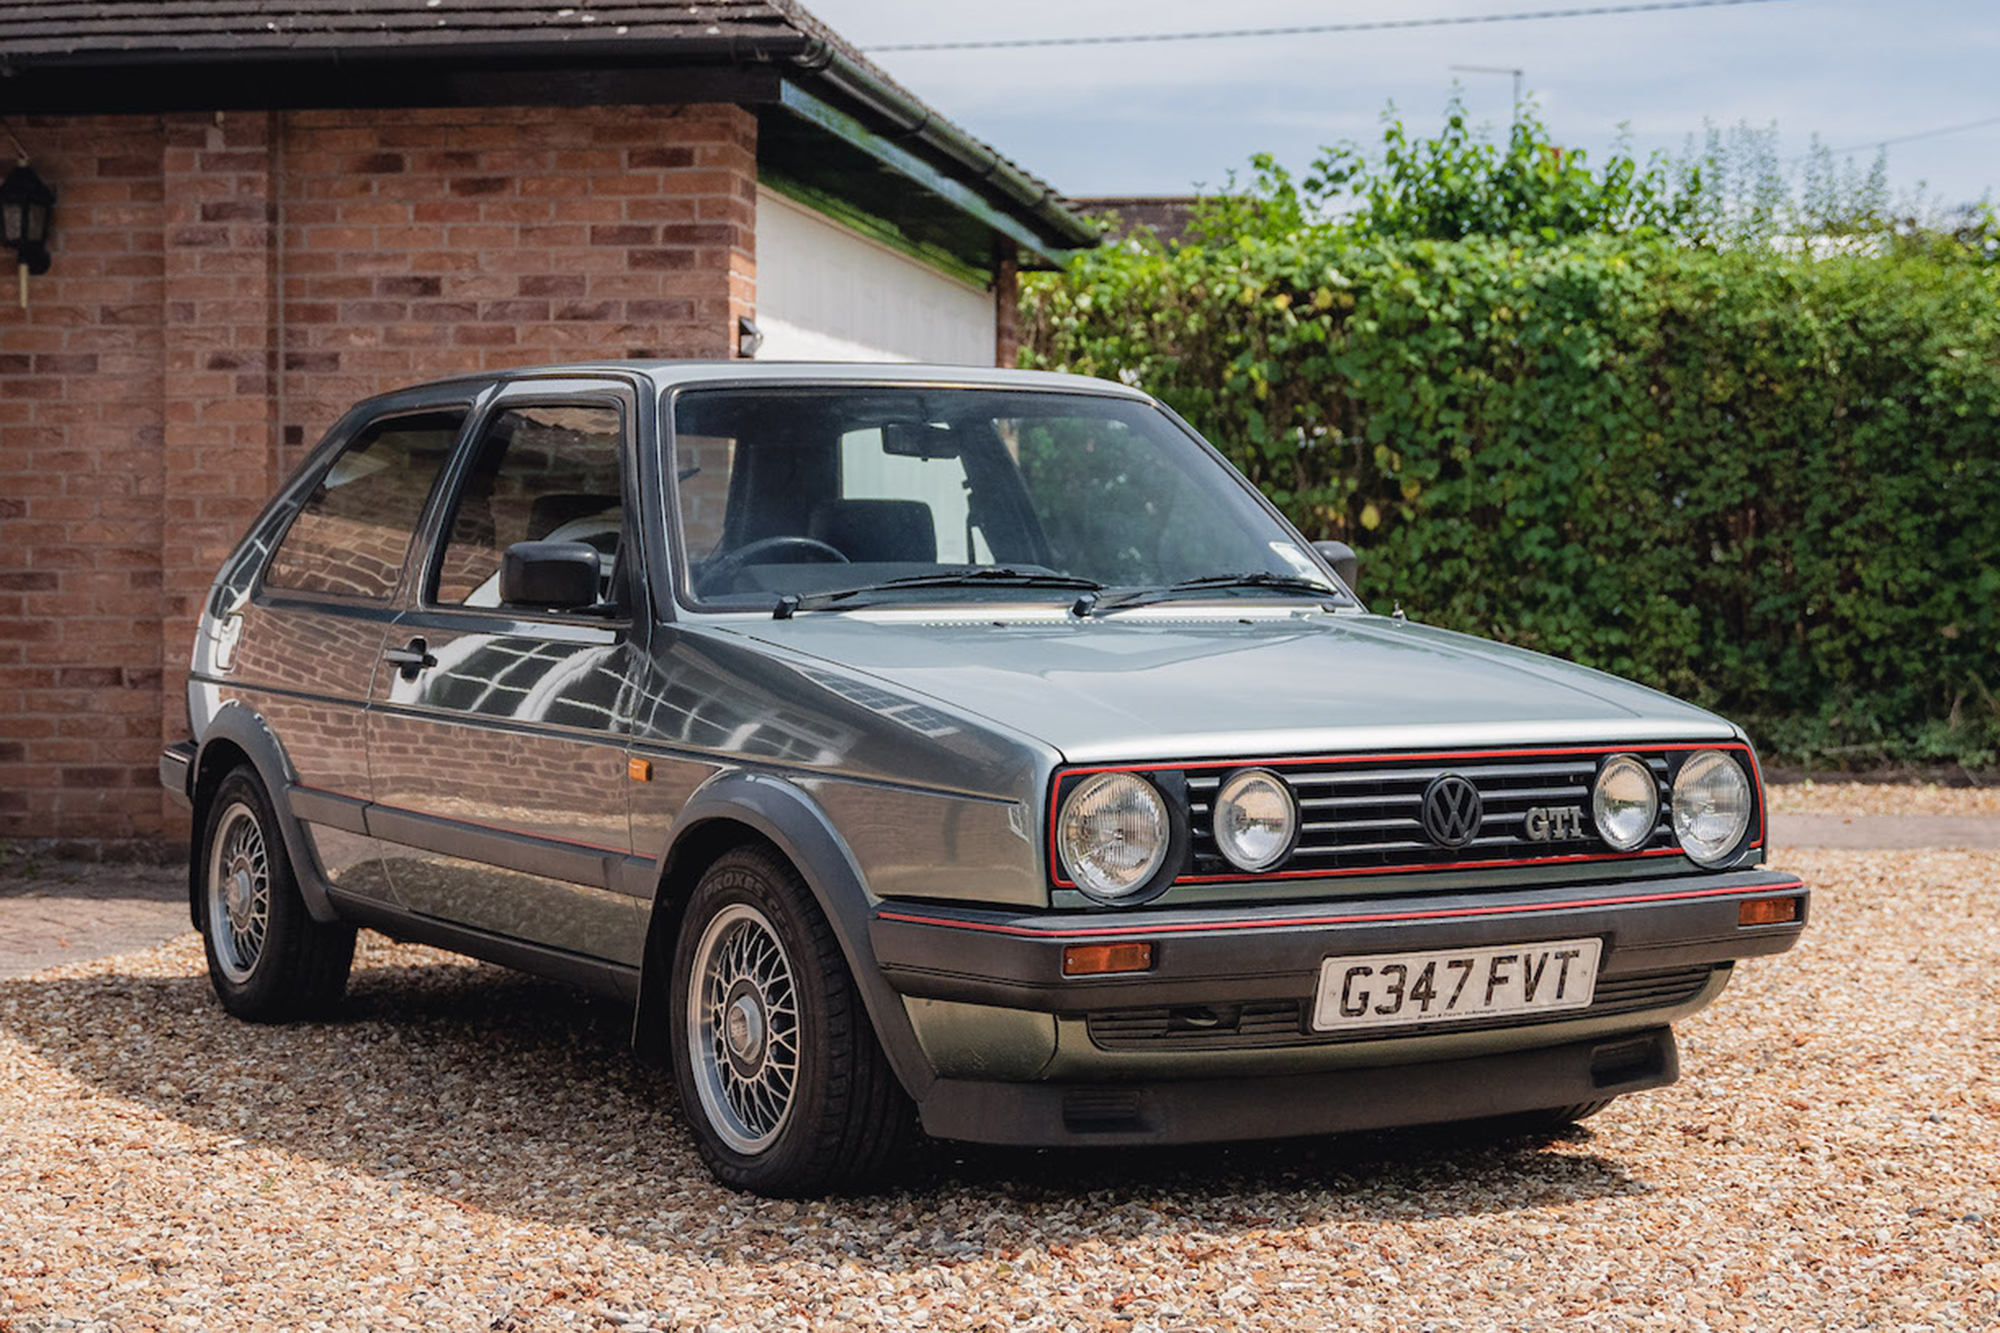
{"x": 288, "y": 965}
{"x": 845, "y": 1116}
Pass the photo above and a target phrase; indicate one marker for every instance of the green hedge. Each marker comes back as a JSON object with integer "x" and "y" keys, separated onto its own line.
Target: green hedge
{"x": 1767, "y": 482}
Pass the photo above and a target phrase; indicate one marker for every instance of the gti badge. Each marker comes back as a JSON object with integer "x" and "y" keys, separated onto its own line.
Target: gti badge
{"x": 1555, "y": 823}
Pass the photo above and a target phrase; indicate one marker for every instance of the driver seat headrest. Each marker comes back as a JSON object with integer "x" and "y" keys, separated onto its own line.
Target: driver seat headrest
{"x": 870, "y": 531}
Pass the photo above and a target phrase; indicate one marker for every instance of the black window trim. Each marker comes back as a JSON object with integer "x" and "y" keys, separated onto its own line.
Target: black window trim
{"x": 264, "y": 593}
{"x": 442, "y": 506}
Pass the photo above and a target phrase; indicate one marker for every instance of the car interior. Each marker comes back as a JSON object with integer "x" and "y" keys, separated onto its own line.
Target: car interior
{"x": 542, "y": 474}
{"x": 793, "y": 492}
{"x": 842, "y": 497}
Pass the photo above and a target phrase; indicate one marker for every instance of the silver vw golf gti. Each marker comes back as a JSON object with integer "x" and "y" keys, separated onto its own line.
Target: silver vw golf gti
{"x": 922, "y": 747}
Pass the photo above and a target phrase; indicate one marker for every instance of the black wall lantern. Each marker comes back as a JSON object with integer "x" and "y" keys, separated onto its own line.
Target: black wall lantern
{"x": 25, "y": 205}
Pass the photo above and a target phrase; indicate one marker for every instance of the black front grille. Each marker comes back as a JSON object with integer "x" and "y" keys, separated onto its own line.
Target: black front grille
{"x": 1368, "y": 815}
{"x": 1262, "y": 1024}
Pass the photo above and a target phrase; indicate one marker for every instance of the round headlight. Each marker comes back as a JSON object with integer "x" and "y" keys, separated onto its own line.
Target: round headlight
{"x": 1255, "y": 819}
{"x": 1113, "y": 833}
{"x": 1626, "y": 803}
{"x": 1711, "y": 806}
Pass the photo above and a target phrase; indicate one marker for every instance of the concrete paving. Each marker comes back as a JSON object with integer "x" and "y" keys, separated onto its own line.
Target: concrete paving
{"x": 66, "y": 912}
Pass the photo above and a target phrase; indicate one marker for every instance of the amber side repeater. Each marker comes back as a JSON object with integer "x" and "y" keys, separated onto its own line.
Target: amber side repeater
{"x": 639, "y": 770}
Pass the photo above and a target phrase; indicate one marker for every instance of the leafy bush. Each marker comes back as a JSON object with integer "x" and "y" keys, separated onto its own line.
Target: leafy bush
{"x": 1758, "y": 478}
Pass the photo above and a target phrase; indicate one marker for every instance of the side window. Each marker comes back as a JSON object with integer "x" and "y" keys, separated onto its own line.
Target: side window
{"x": 354, "y": 530}
{"x": 541, "y": 473}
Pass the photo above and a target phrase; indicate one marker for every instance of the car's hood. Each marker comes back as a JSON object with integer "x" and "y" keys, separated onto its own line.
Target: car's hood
{"x": 1136, "y": 687}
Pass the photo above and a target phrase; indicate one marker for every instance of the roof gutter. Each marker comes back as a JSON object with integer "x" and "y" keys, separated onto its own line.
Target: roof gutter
{"x": 620, "y": 52}
{"x": 913, "y": 122}
{"x": 909, "y": 123}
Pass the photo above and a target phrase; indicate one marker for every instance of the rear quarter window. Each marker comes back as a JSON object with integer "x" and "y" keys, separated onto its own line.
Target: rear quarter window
{"x": 354, "y": 531}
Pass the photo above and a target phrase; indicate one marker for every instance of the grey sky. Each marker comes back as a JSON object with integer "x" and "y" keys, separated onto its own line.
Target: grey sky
{"x": 1158, "y": 119}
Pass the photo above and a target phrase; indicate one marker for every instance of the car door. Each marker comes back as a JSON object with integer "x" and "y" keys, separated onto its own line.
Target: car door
{"x": 497, "y": 735}
{"x": 301, "y": 650}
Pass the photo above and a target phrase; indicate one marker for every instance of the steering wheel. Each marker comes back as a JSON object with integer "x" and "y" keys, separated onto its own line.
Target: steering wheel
{"x": 816, "y": 552}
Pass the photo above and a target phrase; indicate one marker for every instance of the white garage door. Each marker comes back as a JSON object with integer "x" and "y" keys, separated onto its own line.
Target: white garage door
{"x": 827, "y": 293}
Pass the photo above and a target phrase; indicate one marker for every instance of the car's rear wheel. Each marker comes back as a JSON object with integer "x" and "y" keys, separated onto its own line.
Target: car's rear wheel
{"x": 779, "y": 1072}
{"x": 268, "y": 960}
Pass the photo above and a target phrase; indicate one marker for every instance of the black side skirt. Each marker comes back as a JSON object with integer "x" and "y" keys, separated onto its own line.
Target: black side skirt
{"x": 592, "y": 974}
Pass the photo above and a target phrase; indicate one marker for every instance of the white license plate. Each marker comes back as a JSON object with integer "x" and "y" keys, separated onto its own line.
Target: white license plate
{"x": 1394, "y": 989}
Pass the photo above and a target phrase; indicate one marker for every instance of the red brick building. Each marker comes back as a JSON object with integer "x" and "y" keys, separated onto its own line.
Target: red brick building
{"x": 267, "y": 211}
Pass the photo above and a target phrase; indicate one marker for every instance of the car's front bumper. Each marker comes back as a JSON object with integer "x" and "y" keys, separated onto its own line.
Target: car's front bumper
{"x": 1019, "y": 1050}
{"x": 1292, "y": 1105}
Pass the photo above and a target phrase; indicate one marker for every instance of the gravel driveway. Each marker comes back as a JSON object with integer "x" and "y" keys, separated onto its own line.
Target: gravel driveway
{"x": 473, "y": 1150}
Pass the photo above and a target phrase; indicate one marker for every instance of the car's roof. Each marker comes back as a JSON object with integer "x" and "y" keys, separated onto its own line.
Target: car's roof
{"x": 668, "y": 374}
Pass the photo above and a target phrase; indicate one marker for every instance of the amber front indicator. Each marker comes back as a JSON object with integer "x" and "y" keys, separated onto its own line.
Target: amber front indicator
{"x": 1089, "y": 960}
{"x": 1767, "y": 912}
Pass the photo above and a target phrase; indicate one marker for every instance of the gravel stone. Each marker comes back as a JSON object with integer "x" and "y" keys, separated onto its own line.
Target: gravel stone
{"x": 1881, "y": 798}
{"x": 470, "y": 1149}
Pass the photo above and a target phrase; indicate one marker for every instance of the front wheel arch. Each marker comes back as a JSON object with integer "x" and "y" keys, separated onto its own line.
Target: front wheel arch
{"x": 686, "y": 861}
{"x": 738, "y": 808}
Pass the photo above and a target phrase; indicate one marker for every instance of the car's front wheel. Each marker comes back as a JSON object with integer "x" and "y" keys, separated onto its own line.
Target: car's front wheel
{"x": 779, "y": 1072}
{"x": 267, "y": 958}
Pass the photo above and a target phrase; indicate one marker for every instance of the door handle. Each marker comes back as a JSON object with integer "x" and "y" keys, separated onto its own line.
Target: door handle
{"x": 411, "y": 658}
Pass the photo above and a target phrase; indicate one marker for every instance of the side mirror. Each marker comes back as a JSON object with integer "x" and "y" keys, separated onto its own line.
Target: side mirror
{"x": 1344, "y": 561}
{"x": 554, "y": 576}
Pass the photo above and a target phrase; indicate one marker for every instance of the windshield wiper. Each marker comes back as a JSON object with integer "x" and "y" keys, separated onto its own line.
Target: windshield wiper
{"x": 1256, "y": 580}
{"x": 999, "y": 576}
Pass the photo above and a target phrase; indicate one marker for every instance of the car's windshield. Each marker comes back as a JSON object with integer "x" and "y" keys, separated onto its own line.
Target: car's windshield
{"x": 792, "y": 492}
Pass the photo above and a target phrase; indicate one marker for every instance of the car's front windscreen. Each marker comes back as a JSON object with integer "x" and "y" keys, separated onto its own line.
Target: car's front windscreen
{"x": 833, "y": 497}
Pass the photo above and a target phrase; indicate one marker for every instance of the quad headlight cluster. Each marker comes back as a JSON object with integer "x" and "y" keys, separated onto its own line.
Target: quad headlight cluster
{"x": 1710, "y": 804}
{"x": 1114, "y": 831}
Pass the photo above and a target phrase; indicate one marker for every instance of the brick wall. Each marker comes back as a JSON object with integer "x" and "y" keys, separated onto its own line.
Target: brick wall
{"x": 420, "y": 243}
{"x": 219, "y": 336}
{"x": 81, "y": 425}
{"x": 225, "y": 286}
